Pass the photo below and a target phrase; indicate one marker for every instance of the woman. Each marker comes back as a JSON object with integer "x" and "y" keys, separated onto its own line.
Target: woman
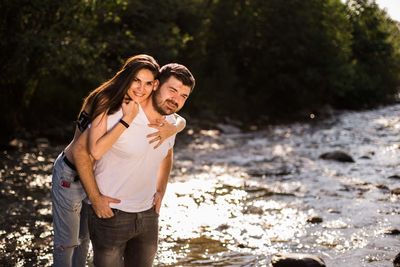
{"x": 129, "y": 86}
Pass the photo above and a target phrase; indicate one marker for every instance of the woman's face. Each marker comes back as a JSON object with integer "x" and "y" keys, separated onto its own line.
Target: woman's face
{"x": 142, "y": 86}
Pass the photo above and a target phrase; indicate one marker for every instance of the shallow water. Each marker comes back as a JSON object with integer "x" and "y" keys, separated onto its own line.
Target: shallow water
{"x": 235, "y": 199}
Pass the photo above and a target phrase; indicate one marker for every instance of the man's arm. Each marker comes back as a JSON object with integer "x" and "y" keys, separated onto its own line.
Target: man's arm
{"x": 162, "y": 179}
{"x": 84, "y": 165}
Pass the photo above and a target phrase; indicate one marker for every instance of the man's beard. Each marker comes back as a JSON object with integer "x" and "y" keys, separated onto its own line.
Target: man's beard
{"x": 163, "y": 107}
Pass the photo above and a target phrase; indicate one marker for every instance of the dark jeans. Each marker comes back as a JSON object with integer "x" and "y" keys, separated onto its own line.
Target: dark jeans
{"x": 127, "y": 239}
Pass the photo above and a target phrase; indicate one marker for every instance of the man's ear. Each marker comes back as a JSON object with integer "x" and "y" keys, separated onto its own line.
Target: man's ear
{"x": 156, "y": 84}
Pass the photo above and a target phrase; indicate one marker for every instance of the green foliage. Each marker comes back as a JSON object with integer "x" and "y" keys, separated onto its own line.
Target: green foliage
{"x": 277, "y": 59}
{"x": 43, "y": 40}
{"x": 252, "y": 59}
{"x": 375, "y": 57}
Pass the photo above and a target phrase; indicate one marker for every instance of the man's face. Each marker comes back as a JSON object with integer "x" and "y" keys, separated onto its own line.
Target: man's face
{"x": 170, "y": 96}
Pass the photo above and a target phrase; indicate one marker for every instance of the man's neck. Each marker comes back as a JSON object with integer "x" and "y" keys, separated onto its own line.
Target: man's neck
{"x": 151, "y": 113}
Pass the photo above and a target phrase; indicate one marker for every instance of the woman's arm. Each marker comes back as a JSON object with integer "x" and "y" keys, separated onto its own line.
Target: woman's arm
{"x": 100, "y": 141}
{"x": 165, "y": 130}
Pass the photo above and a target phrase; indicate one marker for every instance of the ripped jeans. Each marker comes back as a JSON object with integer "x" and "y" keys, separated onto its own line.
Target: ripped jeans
{"x": 71, "y": 234}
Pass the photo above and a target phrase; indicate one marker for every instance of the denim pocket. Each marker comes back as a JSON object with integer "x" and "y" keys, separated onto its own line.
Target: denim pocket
{"x": 65, "y": 192}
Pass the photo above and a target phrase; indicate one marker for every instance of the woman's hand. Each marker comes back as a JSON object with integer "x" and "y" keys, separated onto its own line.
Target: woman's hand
{"x": 165, "y": 130}
{"x": 130, "y": 109}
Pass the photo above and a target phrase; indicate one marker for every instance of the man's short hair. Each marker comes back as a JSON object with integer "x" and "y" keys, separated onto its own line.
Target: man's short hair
{"x": 178, "y": 71}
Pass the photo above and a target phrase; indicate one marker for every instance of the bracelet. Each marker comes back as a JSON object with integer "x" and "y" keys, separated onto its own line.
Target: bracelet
{"x": 124, "y": 123}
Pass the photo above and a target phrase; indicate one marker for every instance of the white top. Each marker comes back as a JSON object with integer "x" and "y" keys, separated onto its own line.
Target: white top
{"x": 128, "y": 171}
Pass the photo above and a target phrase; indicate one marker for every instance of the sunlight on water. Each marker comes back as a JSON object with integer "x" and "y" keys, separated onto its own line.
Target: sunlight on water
{"x": 235, "y": 199}
{"x": 211, "y": 216}
{"x": 393, "y": 122}
{"x": 280, "y": 150}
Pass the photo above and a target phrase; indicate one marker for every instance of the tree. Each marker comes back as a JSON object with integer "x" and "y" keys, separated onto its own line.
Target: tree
{"x": 375, "y": 57}
{"x": 277, "y": 58}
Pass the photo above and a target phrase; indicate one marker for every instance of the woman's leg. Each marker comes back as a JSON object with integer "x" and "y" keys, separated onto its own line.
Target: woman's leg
{"x": 81, "y": 251}
{"x": 67, "y": 198}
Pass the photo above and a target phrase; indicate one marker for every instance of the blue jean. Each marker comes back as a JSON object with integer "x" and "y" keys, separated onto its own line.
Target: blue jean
{"x": 126, "y": 239}
{"x": 71, "y": 234}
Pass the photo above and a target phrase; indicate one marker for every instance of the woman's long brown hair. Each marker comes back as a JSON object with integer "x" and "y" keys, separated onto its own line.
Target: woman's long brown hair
{"x": 108, "y": 97}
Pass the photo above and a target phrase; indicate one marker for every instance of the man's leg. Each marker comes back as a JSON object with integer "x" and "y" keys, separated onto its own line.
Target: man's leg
{"x": 141, "y": 250}
{"x": 81, "y": 251}
{"x": 109, "y": 237}
{"x": 66, "y": 204}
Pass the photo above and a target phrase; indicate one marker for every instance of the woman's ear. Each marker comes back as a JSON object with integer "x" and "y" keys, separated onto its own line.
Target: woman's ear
{"x": 156, "y": 84}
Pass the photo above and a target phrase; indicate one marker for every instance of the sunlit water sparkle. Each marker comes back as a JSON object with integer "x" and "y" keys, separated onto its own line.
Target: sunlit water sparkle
{"x": 235, "y": 199}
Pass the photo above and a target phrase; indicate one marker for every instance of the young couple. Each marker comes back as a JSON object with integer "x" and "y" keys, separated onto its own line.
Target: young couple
{"x": 120, "y": 160}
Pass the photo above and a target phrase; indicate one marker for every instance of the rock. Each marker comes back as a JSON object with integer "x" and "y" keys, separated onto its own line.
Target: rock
{"x": 382, "y": 186}
{"x": 337, "y": 156}
{"x": 297, "y": 260}
{"x": 222, "y": 227}
{"x": 253, "y": 210}
{"x": 395, "y": 191}
{"x": 279, "y": 171}
{"x": 394, "y": 176}
{"x": 392, "y": 231}
{"x": 396, "y": 260}
{"x": 315, "y": 219}
{"x": 368, "y": 155}
{"x": 334, "y": 211}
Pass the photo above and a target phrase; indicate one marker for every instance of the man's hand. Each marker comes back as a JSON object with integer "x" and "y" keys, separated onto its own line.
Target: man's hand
{"x": 157, "y": 201}
{"x": 101, "y": 206}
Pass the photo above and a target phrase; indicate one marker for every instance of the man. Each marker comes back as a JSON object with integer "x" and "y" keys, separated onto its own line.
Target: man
{"x": 131, "y": 178}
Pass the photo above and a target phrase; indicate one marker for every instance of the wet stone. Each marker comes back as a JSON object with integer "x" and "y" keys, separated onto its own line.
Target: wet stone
{"x": 297, "y": 260}
{"x": 396, "y": 260}
{"x": 222, "y": 227}
{"x": 334, "y": 211}
{"x": 253, "y": 210}
{"x": 382, "y": 186}
{"x": 392, "y": 231}
{"x": 337, "y": 156}
{"x": 395, "y": 191}
{"x": 262, "y": 172}
{"x": 368, "y": 155}
{"x": 315, "y": 219}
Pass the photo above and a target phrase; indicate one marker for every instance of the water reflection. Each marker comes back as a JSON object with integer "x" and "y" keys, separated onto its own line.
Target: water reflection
{"x": 236, "y": 198}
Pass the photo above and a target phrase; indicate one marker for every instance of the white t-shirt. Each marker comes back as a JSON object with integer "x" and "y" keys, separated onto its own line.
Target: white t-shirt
{"x": 128, "y": 171}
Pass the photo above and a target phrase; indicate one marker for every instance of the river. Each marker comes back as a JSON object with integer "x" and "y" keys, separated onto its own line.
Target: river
{"x": 236, "y": 198}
